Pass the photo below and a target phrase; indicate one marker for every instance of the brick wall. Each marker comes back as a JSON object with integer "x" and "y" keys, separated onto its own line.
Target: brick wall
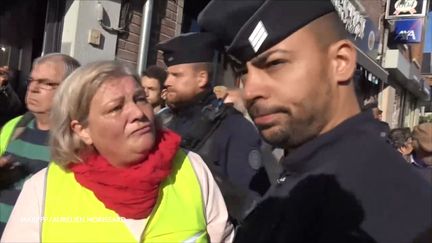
{"x": 166, "y": 23}
{"x": 128, "y": 43}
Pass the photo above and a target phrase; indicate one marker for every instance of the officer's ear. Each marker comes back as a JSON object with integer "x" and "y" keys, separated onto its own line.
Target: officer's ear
{"x": 343, "y": 56}
{"x": 203, "y": 78}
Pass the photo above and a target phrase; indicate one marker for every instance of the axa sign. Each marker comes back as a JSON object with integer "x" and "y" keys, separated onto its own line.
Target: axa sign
{"x": 408, "y": 31}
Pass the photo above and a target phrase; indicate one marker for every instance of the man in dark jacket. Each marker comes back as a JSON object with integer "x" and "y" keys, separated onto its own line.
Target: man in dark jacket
{"x": 341, "y": 181}
{"x": 11, "y": 105}
{"x": 228, "y": 143}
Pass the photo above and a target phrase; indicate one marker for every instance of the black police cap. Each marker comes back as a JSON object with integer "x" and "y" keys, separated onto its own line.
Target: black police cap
{"x": 189, "y": 48}
{"x": 250, "y": 27}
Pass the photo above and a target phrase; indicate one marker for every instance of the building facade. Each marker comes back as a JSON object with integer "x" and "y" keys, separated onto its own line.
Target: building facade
{"x": 391, "y": 69}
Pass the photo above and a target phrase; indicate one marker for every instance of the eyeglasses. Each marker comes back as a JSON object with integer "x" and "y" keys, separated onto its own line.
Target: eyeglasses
{"x": 45, "y": 84}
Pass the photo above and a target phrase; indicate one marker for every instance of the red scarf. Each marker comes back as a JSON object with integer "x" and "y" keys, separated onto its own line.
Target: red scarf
{"x": 131, "y": 192}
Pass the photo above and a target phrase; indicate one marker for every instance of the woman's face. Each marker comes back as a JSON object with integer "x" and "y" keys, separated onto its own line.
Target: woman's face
{"x": 120, "y": 122}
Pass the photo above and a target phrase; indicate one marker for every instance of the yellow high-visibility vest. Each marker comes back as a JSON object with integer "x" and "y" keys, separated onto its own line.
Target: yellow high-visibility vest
{"x": 6, "y": 133}
{"x": 72, "y": 213}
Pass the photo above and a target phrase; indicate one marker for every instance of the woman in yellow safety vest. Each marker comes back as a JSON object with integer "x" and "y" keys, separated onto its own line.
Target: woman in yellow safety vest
{"x": 116, "y": 175}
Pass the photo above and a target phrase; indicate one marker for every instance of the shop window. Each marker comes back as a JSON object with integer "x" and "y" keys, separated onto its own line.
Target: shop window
{"x": 367, "y": 86}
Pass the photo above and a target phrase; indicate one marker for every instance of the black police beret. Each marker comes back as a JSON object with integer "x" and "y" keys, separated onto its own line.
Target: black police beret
{"x": 248, "y": 28}
{"x": 190, "y": 48}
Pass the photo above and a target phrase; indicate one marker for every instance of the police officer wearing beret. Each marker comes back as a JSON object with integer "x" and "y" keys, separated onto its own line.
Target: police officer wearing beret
{"x": 341, "y": 181}
{"x": 228, "y": 143}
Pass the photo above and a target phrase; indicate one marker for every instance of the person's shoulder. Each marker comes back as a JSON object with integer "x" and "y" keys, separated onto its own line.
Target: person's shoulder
{"x": 201, "y": 170}
{"x": 16, "y": 125}
{"x": 372, "y": 149}
{"x": 425, "y": 173}
{"x": 13, "y": 120}
{"x": 10, "y": 126}
{"x": 234, "y": 119}
{"x": 236, "y": 127}
{"x": 360, "y": 149}
{"x": 24, "y": 119}
{"x": 371, "y": 153}
{"x": 39, "y": 176}
{"x": 37, "y": 181}
{"x": 192, "y": 156}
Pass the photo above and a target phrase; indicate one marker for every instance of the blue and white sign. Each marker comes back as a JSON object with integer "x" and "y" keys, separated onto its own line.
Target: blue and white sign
{"x": 408, "y": 31}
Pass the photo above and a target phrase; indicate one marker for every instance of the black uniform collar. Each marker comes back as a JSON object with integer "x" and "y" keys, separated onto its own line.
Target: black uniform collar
{"x": 300, "y": 159}
{"x": 194, "y": 108}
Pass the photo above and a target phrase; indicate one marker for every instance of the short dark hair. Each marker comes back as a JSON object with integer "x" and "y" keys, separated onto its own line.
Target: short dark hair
{"x": 399, "y": 136}
{"x": 321, "y": 27}
{"x": 156, "y": 72}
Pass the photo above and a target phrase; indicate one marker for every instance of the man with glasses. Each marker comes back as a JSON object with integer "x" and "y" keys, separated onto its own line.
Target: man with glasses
{"x": 24, "y": 140}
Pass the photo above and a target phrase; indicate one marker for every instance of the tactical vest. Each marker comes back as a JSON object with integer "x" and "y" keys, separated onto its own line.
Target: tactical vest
{"x": 72, "y": 213}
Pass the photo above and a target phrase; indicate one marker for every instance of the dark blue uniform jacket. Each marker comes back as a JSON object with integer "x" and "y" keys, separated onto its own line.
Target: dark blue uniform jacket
{"x": 347, "y": 185}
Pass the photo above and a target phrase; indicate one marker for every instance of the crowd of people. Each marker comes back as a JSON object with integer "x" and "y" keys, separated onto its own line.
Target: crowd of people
{"x": 104, "y": 154}
{"x": 415, "y": 147}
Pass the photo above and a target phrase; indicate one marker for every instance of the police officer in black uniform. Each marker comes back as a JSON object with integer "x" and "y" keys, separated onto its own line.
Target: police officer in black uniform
{"x": 228, "y": 143}
{"x": 341, "y": 181}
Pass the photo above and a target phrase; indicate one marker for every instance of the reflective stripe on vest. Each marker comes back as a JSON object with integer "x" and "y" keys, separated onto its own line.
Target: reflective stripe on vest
{"x": 6, "y": 133}
{"x": 73, "y": 214}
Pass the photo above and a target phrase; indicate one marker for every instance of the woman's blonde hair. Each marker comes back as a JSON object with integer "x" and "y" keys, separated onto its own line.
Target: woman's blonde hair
{"x": 72, "y": 102}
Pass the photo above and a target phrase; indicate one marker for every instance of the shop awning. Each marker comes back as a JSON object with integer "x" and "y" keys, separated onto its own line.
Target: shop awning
{"x": 366, "y": 62}
{"x": 406, "y": 74}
